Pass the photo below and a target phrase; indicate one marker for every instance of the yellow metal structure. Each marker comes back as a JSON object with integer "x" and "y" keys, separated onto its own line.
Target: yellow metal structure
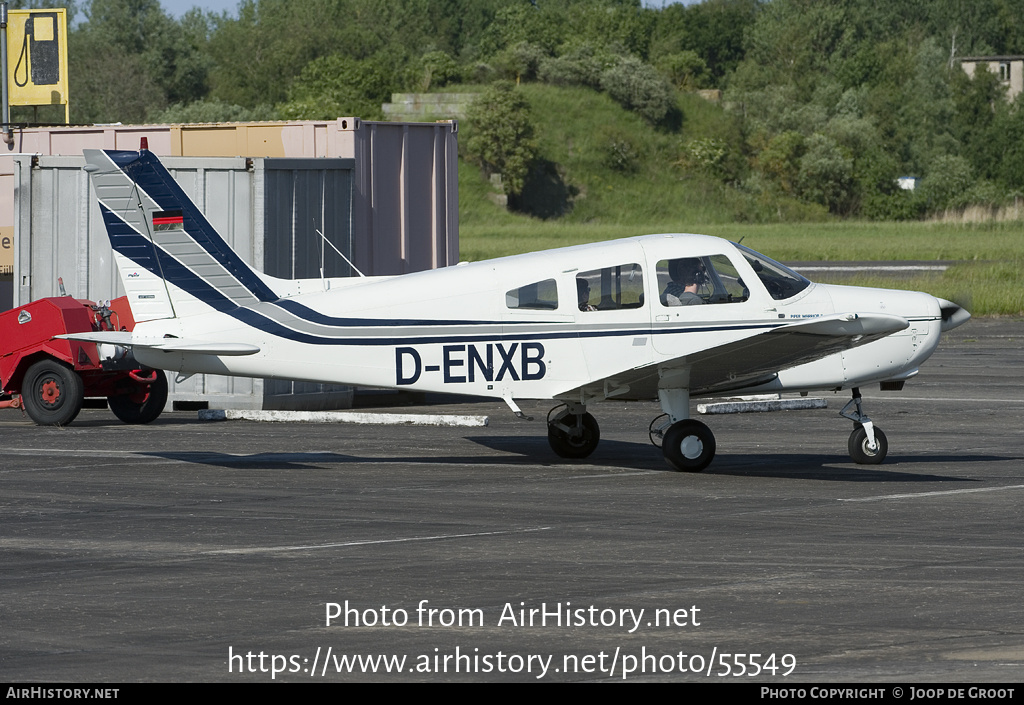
{"x": 37, "y": 58}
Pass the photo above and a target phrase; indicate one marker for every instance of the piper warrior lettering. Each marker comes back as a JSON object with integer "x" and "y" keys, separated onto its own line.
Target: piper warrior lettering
{"x": 470, "y": 363}
{"x": 653, "y": 317}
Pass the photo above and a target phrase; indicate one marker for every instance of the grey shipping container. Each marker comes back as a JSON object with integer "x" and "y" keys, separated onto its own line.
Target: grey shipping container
{"x": 379, "y": 209}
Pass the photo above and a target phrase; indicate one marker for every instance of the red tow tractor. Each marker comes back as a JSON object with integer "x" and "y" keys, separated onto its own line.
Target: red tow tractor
{"x": 50, "y": 377}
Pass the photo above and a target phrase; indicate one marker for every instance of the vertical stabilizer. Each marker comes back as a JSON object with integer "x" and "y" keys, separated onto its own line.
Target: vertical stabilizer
{"x": 171, "y": 260}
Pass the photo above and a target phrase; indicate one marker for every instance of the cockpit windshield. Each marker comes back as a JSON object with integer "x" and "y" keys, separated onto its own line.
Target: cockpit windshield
{"x": 780, "y": 281}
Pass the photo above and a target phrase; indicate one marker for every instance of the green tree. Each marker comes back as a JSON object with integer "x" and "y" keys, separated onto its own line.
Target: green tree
{"x": 825, "y": 175}
{"x": 129, "y": 58}
{"x": 437, "y": 69}
{"x": 336, "y": 85}
{"x": 780, "y": 159}
{"x": 520, "y": 21}
{"x": 685, "y": 69}
{"x": 261, "y": 52}
{"x": 713, "y": 29}
{"x": 501, "y": 138}
{"x": 948, "y": 180}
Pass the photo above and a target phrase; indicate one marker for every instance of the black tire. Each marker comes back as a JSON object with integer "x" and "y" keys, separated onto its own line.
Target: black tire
{"x": 143, "y": 406}
{"x": 52, "y": 393}
{"x": 689, "y": 446}
{"x": 858, "y": 447}
{"x": 580, "y": 446}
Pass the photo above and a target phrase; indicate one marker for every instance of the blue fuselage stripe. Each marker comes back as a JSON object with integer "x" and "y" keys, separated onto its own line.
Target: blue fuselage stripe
{"x": 147, "y": 255}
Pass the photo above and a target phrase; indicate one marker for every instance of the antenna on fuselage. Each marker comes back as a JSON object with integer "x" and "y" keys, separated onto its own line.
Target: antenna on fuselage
{"x": 347, "y": 260}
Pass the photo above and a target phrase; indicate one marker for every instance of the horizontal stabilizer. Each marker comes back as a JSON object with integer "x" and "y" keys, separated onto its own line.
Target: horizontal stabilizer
{"x": 181, "y": 345}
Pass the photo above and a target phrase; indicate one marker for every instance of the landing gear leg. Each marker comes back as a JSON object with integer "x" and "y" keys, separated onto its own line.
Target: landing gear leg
{"x": 867, "y": 444}
{"x": 688, "y": 445}
{"x": 572, "y": 432}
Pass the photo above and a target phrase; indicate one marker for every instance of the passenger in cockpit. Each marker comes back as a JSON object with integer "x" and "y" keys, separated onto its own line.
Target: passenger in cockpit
{"x": 583, "y": 294}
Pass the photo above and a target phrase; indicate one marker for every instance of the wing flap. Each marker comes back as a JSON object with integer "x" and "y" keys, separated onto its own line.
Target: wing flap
{"x": 182, "y": 345}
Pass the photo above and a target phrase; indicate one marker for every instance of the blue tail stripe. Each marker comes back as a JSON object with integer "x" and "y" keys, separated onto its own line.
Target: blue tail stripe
{"x": 151, "y": 176}
{"x": 126, "y": 241}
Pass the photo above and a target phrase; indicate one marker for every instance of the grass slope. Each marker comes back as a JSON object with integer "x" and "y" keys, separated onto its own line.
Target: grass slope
{"x": 576, "y": 127}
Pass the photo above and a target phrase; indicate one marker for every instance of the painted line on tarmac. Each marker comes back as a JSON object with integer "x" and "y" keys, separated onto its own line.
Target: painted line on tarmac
{"x": 275, "y": 549}
{"x": 354, "y": 417}
{"x": 989, "y": 400}
{"x": 92, "y": 453}
{"x": 931, "y": 494}
{"x": 613, "y": 475}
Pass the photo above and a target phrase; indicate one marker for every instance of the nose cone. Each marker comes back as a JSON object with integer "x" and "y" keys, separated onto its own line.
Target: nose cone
{"x": 953, "y": 315}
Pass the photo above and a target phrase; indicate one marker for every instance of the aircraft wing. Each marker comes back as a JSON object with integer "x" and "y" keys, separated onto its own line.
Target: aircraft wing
{"x": 753, "y": 360}
{"x": 128, "y": 340}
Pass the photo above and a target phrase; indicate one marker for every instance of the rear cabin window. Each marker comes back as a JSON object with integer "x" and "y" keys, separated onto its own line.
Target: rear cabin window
{"x": 691, "y": 281}
{"x": 611, "y": 288}
{"x": 542, "y": 296}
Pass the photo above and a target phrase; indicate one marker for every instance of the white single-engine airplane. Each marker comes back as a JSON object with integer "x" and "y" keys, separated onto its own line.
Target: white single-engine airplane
{"x": 661, "y": 317}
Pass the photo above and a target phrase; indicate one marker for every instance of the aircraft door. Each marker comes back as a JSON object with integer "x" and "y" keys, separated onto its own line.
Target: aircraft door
{"x": 696, "y": 295}
{"x": 534, "y": 353}
{"x": 612, "y": 317}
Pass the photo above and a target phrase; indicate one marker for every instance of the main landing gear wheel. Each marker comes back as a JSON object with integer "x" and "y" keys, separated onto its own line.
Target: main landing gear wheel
{"x": 689, "y": 446}
{"x": 145, "y": 404}
{"x": 573, "y": 435}
{"x": 861, "y": 452}
{"x": 52, "y": 393}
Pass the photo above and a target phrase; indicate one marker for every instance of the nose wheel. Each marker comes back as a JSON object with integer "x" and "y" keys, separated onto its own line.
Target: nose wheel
{"x": 861, "y": 451}
{"x": 867, "y": 444}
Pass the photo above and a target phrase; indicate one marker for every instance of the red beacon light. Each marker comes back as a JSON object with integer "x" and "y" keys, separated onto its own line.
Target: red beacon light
{"x": 144, "y": 144}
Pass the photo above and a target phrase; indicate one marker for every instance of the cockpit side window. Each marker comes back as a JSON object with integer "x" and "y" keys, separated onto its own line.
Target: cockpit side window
{"x": 780, "y": 281}
{"x": 688, "y": 281}
{"x": 611, "y": 288}
{"x": 542, "y": 296}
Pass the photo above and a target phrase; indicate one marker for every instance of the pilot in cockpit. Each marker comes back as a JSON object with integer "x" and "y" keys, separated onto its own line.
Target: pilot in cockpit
{"x": 686, "y": 274}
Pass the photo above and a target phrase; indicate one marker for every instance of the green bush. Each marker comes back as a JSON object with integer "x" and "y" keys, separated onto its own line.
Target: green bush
{"x": 213, "y": 110}
{"x": 581, "y": 66}
{"x": 685, "y": 69}
{"x": 621, "y": 152}
{"x": 520, "y": 61}
{"x": 706, "y": 155}
{"x": 637, "y": 86}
